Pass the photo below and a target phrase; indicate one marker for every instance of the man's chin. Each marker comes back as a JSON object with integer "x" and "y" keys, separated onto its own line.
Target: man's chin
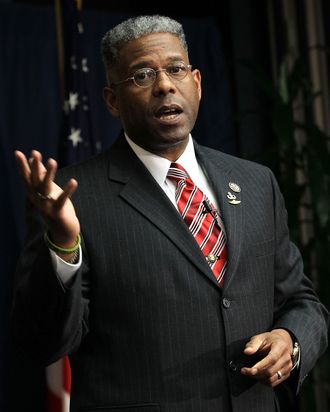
{"x": 170, "y": 141}
{"x": 171, "y": 136}
{"x": 160, "y": 140}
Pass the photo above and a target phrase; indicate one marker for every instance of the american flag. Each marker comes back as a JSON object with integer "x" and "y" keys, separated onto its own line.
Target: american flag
{"x": 58, "y": 377}
{"x": 76, "y": 143}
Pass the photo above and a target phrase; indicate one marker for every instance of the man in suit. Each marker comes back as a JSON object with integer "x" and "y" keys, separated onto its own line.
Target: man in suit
{"x": 115, "y": 278}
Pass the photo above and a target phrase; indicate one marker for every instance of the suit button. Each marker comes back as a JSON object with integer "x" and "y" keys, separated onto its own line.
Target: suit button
{"x": 226, "y": 303}
{"x": 233, "y": 366}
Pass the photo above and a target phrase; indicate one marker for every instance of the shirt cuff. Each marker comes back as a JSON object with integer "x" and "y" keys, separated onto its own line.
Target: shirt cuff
{"x": 64, "y": 270}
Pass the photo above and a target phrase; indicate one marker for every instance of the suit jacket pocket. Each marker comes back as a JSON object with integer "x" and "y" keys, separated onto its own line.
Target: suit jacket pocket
{"x": 139, "y": 407}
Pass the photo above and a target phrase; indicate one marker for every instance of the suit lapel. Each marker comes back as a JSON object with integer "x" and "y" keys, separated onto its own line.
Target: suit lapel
{"x": 220, "y": 173}
{"x": 143, "y": 193}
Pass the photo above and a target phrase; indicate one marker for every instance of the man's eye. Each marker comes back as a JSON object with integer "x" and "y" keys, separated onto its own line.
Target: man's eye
{"x": 140, "y": 75}
{"x": 176, "y": 69}
{"x": 143, "y": 75}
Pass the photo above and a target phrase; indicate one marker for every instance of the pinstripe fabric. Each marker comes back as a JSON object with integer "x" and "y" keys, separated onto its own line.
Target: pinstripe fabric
{"x": 203, "y": 225}
{"x": 145, "y": 323}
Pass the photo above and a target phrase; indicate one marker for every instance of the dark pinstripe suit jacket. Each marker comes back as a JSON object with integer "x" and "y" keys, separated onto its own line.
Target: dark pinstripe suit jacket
{"x": 147, "y": 326}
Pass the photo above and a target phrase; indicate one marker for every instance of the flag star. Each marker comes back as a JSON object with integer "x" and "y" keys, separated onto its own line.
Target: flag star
{"x": 75, "y": 137}
{"x": 84, "y": 66}
{"x": 73, "y": 100}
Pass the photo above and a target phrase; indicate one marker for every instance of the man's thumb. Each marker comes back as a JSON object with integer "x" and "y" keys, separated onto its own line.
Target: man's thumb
{"x": 254, "y": 344}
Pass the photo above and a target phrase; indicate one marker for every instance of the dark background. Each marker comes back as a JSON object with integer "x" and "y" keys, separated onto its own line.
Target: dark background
{"x": 221, "y": 35}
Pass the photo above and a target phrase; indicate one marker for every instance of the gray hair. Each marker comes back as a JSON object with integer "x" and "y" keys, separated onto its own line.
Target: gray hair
{"x": 135, "y": 28}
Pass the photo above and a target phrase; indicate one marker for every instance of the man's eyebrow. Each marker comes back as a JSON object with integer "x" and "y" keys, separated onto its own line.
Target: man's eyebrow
{"x": 148, "y": 63}
{"x": 140, "y": 65}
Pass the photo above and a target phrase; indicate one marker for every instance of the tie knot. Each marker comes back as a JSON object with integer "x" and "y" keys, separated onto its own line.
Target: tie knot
{"x": 177, "y": 172}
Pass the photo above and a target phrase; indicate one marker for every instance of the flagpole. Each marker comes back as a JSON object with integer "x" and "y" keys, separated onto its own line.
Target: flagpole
{"x": 60, "y": 46}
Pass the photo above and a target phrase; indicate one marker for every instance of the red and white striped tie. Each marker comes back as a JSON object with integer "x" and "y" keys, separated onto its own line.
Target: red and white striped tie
{"x": 202, "y": 219}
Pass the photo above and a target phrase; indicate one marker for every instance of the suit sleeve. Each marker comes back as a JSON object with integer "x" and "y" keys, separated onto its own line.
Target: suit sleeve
{"x": 49, "y": 319}
{"x": 297, "y": 307}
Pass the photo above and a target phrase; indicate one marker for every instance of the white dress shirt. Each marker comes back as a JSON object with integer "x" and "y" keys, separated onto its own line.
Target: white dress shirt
{"x": 158, "y": 167}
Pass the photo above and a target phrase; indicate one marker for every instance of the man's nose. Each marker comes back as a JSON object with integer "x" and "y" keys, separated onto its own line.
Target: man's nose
{"x": 163, "y": 84}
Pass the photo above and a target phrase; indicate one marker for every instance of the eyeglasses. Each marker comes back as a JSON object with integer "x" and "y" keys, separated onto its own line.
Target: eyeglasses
{"x": 146, "y": 77}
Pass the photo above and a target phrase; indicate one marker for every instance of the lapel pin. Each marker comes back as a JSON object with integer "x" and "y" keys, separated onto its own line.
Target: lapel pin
{"x": 232, "y": 199}
{"x": 234, "y": 187}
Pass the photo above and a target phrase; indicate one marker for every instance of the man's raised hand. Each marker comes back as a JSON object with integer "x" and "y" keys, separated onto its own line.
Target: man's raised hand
{"x": 52, "y": 201}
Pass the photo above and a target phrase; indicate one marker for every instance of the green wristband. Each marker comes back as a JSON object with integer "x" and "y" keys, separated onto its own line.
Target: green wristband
{"x": 58, "y": 249}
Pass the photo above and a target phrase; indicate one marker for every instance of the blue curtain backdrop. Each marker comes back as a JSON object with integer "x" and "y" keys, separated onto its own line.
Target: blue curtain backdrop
{"x": 31, "y": 118}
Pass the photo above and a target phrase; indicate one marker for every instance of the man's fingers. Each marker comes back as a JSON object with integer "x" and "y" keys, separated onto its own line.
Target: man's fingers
{"x": 268, "y": 361}
{"x": 51, "y": 170}
{"x": 276, "y": 366}
{"x": 255, "y": 343}
{"x": 271, "y": 377}
{"x": 23, "y": 167}
{"x": 277, "y": 378}
{"x": 36, "y": 176}
{"x": 68, "y": 191}
{"x": 38, "y": 170}
{"x": 264, "y": 370}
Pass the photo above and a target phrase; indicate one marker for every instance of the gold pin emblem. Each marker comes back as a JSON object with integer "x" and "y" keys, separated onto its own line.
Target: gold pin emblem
{"x": 234, "y": 187}
{"x": 232, "y": 199}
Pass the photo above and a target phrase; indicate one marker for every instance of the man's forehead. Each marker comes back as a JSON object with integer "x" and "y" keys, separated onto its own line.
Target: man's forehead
{"x": 155, "y": 43}
{"x": 152, "y": 47}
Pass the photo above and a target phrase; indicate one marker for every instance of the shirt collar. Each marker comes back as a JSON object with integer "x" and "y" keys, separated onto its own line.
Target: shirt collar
{"x": 158, "y": 166}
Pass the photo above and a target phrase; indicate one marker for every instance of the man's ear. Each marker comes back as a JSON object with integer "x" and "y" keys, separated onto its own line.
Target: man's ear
{"x": 198, "y": 81}
{"x": 110, "y": 100}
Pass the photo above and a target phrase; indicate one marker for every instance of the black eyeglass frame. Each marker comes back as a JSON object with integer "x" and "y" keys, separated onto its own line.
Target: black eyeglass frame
{"x": 170, "y": 75}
